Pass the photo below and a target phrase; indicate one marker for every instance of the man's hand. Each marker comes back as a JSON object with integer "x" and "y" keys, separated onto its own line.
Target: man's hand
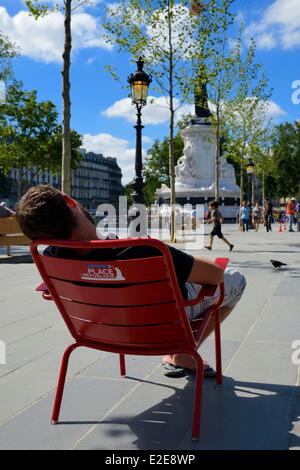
{"x": 206, "y": 273}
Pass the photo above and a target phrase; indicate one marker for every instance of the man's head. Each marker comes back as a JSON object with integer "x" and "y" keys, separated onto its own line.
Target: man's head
{"x": 214, "y": 204}
{"x": 44, "y": 212}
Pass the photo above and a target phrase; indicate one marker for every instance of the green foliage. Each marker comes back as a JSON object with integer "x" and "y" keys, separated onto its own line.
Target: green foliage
{"x": 128, "y": 190}
{"x": 5, "y": 185}
{"x": 29, "y": 132}
{"x": 286, "y": 156}
{"x": 156, "y": 169}
{"x": 7, "y": 52}
{"x": 38, "y": 8}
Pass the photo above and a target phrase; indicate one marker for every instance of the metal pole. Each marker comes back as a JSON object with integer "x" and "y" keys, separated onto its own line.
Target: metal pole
{"x": 138, "y": 216}
{"x": 249, "y": 188}
{"x": 138, "y": 183}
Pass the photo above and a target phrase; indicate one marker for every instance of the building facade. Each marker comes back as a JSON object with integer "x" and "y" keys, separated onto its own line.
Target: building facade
{"x": 96, "y": 180}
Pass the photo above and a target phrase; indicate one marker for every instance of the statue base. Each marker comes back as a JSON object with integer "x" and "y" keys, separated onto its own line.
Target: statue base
{"x": 229, "y": 201}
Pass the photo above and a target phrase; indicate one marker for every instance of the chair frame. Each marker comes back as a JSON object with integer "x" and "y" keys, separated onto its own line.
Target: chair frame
{"x": 194, "y": 329}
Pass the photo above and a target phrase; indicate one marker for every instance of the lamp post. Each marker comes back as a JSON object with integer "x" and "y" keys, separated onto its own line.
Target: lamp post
{"x": 139, "y": 82}
{"x": 250, "y": 171}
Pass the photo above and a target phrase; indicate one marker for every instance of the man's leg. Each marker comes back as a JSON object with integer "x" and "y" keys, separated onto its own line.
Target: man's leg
{"x": 187, "y": 361}
{"x": 234, "y": 284}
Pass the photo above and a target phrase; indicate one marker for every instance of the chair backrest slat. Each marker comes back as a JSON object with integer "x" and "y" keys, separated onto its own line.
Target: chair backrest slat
{"x": 117, "y": 296}
{"x": 116, "y": 271}
{"x": 134, "y": 302}
{"x": 150, "y": 314}
{"x": 133, "y": 336}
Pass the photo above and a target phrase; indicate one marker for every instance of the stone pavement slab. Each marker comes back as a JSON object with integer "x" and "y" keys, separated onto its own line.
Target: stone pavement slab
{"x": 258, "y": 406}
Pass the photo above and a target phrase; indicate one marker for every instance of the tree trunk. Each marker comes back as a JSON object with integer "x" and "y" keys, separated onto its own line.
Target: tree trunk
{"x": 171, "y": 128}
{"x": 263, "y": 190}
{"x": 21, "y": 183}
{"x": 253, "y": 189}
{"x": 66, "y": 127}
{"x": 217, "y": 159}
{"x": 172, "y": 177}
{"x": 242, "y": 184}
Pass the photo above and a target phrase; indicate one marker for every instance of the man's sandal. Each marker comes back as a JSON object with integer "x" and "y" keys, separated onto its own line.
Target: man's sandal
{"x": 172, "y": 371}
{"x": 176, "y": 371}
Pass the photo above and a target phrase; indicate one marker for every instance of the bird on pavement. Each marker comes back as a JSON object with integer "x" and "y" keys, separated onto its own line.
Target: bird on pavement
{"x": 277, "y": 264}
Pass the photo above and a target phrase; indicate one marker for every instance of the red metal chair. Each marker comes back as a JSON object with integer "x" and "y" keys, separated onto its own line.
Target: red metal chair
{"x": 131, "y": 306}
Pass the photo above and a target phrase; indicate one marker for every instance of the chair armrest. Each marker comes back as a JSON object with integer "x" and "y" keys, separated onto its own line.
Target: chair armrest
{"x": 207, "y": 291}
{"x": 222, "y": 262}
{"x": 45, "y": 292}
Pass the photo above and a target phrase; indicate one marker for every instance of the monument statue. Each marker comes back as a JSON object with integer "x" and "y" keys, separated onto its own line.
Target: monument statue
{"x": 195, "y": 170}
{"x": 202, "y": 111}
{"x": 186, "y": 169}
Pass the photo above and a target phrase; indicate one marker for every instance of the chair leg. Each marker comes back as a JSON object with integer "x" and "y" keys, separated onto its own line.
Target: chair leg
{"x": 218, "y": 347}
{"x": 122, "y": 365}
{"x": 198, "y": 397}
{"x": 61, "y": 382}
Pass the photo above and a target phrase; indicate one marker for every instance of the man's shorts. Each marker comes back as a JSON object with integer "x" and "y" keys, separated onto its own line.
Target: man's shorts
{"x": 234, "y": 286}
{"x": 217, "y": 231}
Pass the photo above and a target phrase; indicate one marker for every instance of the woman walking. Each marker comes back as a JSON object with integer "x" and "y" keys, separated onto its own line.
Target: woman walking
{"x": 268, "y": 216}
{"x": 256, "y": 216}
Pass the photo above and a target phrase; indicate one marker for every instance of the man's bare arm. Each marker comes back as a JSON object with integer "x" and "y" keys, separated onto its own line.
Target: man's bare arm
{"x": 206, "y": 273}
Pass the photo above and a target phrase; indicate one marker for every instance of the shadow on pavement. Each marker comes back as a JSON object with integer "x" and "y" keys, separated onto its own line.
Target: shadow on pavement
{"x": 16, "y": 259}
{"x": 239, "y": 415}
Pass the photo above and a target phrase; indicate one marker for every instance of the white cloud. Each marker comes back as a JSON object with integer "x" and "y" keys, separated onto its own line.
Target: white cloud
{"x": 279, "y": 26}
{"x": 155, "y": 113}
{"x": 43, "y": 39}
{"x": 274, "y": 111}
{"x": 111, "y": 146}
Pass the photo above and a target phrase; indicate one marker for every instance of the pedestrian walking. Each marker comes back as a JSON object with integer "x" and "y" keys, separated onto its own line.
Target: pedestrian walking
{"x": 216, "y": 219}
{"x": 256, "y": 216}
{"x": 290, "y": 213}
{"x": 297, "y": 216}
{"x": 245, "y": 212}
{"x": 268, "y": 215}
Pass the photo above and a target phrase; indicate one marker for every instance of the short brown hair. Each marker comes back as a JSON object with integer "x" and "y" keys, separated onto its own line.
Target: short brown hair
{"x": 214, "y": 204}
{"x": 43, "y": 213}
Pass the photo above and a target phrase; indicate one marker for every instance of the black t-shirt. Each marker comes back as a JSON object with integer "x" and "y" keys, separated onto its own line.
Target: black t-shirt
{"x": 217, "y": 218}
{"x": 182, "y": 261}
{"x": 269, "y": 208}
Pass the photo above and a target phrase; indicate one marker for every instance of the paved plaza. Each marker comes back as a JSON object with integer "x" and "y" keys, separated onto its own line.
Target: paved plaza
{"x": 258, "y": 406}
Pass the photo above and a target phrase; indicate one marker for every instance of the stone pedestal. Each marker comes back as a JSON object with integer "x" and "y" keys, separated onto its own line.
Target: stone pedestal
{"x": 195, "y": 173}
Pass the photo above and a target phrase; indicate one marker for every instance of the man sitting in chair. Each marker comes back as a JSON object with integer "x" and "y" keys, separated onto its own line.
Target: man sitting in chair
{"x": 46, "y": 213}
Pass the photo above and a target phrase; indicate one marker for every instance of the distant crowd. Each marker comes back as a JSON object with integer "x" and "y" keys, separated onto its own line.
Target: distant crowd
{"x": 252, "y": 216}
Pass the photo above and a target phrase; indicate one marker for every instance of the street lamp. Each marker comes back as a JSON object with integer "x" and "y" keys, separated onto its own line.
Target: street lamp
{"x": 250, "y": 171}
{"x": 139, "y": 82}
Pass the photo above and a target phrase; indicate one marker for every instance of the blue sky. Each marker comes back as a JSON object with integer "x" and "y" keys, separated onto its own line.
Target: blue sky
{"x": 99, "y": 109}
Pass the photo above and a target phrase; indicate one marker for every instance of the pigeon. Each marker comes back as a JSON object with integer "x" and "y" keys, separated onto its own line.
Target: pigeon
{"x": 277, "y": 264}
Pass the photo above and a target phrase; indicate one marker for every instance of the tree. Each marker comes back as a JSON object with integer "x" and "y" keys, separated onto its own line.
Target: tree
{"x": 248, "y": 130}
{"x": 167, "y": 36}
{"x": 286, "y": 155}
{"x": 30, "y": 136}
{"x": 245, "y": 113}
{"x": 156, "y": 169}
{"x": 5, "y": 185}
{"x": 40, "y": 8}
{"x": 7, "y": 52}
{"x": 216, "y": 65}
